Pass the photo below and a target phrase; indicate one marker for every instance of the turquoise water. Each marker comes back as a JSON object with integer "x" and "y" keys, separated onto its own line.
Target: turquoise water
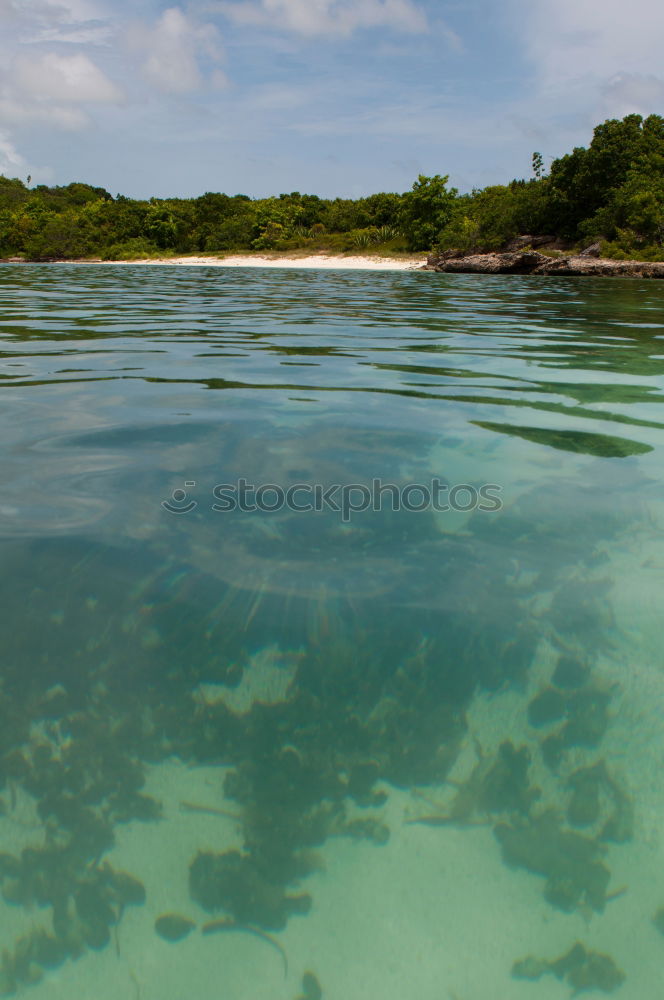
{"x": 394, "y": 751}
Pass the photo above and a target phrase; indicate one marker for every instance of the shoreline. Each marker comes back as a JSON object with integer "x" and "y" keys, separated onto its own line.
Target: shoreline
{"x": 322, "y": 262}
{"x": 524, "y": 262}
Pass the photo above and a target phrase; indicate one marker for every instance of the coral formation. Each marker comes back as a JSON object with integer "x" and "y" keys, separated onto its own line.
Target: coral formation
{"x": 581, "y": 969}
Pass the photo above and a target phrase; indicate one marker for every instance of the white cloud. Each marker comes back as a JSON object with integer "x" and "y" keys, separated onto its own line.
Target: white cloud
{"x": 46, "y": 87}
{"x": 71, "y": 79}
{"x": 12, "y": 164}
{"x": 629, "y": 93}
{"x": 583, "y": 39}
{"x": 590, "y": 60}
{"x": 173, "y": 51}
{"x": 83, "y": 34}
{"x": 11, "y": 161}
{"x": 18, "y": 112}
{"x": 54, "y": 11}
{"x": 77, "y": 21}
{"x": 327, "y": 17}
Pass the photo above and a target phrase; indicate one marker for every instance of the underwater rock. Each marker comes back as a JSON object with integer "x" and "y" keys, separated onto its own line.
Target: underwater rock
{"x": 22, "y": 966}
{"x": 299, "y": 794}
{"x": 361, "y": 780}
{"x": 530, "y": 968}
{"x": 125, "y": 806}
{"x": 581, "y": 969}
{"x": 172, "y": 927}
{"x": 569, "y": 862}
{"x": 547, "y": 707}
{"x": 505, "y": 787}
{"x": 311, "y": 988}
{"x": 95, "y": 912}
{"x": 9, "y": 865}
{"x": 587, "y": 718}
{"x": 619, "y": 827}
{"x": 129, "y": 891}
{"x": 86, "y": 902}
{"x": 584, "y": 805}
{"x": 498, "y": 785}
{"x": 15, "y": 891}
{"x": 233, "y": 882}
{"x": 570, "y": 673}
{"x": 48, "y": 951}
{"x": 593, "y": 788}
{"x": 51, "y": 875}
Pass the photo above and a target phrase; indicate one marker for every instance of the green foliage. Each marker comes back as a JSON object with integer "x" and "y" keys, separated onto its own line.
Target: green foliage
{"x": 274, "y": 221}
{"x": 234, "y": 232}
{"x": 612, "y": 192}
{"x": 160, "y": 226}
{"x": 462, "y": 233}
{"x": 372, "y": 236}
{"x": 60, "y": 235}
{"x": 132, "y": 249}
{"x": 488, "y": 219}
{"x": 13, "y": 193}
{"x": 426, "y": 210}
{"x": 586, "y": 183}
{"x": 628, "y": 246}
{"x": 538, "y": 165}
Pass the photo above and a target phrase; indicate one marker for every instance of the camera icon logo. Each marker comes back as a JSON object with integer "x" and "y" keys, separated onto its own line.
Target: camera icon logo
{"x": 178, "y": 503}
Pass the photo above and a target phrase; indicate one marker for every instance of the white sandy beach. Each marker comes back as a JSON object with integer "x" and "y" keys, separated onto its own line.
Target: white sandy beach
{"x": 322, "y": 262}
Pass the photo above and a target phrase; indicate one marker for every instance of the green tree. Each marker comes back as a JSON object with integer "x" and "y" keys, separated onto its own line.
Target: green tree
{"x": 274, "y": 221}
{"x": 426, "y": 210}
{"x": 62, "y": 235}
{"x": 13, "y": 192}
{"x": 160, "y": 226}
{"x": 583, "y": 181}
{"x": 538, "y": 165}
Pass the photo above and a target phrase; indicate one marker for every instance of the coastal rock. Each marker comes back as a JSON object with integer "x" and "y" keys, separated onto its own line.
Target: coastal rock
{"x": 517, "y": 262}
{"x": 532, "y": 262}
{"x": 531, "y": 242}
{"x": 601, "y": 266}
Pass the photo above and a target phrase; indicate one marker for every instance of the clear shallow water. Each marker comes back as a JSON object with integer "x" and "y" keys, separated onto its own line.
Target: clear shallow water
{"x": 357, "y": 697}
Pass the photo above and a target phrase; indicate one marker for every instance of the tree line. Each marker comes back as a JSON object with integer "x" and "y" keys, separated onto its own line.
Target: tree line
{"x": 611, "y": 192}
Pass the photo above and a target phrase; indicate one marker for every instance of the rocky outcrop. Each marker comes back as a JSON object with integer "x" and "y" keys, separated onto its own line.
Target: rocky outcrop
{"x": 602, "y": 266}
{"x": 531, "y": 262}
{"x": 532, "y": 243}
{"x": 516, "y": 262}
{"x": 594, "y": 250}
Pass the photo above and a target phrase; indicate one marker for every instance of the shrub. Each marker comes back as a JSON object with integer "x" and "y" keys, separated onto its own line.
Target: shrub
{"x": 136, "y": 249}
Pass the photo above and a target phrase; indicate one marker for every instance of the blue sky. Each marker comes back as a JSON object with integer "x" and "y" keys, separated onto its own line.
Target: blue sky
{"x": 331, "y": 97}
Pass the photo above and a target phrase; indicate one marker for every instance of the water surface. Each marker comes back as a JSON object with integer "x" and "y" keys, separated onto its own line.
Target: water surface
{"x": 369, "y": 741}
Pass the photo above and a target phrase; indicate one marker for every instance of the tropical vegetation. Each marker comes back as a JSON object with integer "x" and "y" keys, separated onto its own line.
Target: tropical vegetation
{"x": 611, "y": 193}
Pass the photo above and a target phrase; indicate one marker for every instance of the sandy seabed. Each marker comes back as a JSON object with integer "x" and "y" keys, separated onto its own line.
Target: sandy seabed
{"x": 434, "y": 914}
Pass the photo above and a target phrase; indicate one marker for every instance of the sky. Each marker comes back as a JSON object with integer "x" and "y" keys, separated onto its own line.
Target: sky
{"x": 329, "y": 97}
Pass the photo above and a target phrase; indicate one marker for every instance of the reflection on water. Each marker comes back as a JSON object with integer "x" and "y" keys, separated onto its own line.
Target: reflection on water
{"x": 253, "y": 737}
